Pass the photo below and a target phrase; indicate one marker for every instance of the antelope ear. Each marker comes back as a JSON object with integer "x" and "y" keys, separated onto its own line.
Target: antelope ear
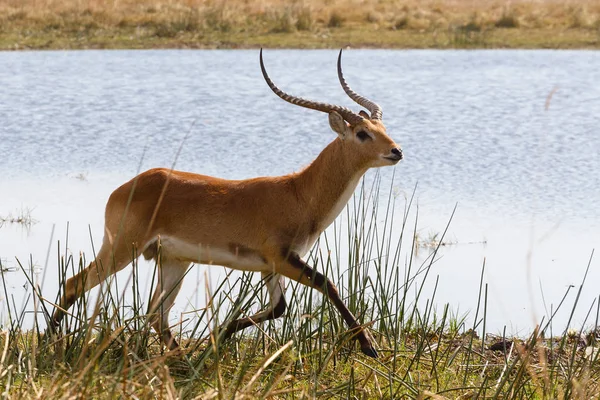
{"x": 338, "y": 125}
{"x": 364, "y": 114}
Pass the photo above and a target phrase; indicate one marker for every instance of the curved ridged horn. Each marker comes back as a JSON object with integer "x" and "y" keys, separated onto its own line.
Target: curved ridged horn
{"x": 373, "y": 108}
{"x": 346, "y": 113}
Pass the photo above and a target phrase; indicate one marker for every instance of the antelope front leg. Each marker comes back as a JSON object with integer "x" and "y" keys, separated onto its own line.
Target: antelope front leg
{"x": 295, "y": 268}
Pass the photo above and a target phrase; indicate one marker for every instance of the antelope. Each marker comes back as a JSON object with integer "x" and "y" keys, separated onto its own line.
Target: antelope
{"x": 264, "y": 224}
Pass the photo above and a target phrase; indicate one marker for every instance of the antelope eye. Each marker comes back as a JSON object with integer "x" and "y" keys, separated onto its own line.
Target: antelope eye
{"x": 362, "y": 136}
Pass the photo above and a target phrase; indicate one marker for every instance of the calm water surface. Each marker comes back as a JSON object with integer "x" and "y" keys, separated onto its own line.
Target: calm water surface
{"x": 473, "y": 125}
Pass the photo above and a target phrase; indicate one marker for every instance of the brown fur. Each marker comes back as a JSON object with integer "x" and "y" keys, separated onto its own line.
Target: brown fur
{"x": 257, "y": 216}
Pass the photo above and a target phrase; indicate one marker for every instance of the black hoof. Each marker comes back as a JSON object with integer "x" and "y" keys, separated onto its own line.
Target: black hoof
{"x": 370, "y": 351}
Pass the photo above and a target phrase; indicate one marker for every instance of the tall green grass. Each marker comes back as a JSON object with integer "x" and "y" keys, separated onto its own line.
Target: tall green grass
{"x": 105, "y": 348}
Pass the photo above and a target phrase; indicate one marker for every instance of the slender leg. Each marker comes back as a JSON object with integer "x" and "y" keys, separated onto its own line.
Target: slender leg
{"x": 295, "y": 268}
{"x": 106, "y": 264}
{"x": 275, "y": 286}
{"x": 170, "y": 277}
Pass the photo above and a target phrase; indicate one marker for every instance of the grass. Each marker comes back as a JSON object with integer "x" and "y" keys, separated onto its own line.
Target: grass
{"x": 106, "y": 350}
{"x": 76, "y": 24}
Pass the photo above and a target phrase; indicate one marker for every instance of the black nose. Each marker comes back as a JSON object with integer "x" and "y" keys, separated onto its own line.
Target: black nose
{"x": 397, "y": 152}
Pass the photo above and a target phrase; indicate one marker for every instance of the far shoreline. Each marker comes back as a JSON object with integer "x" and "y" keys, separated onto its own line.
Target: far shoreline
{"x": 310, "y": 24}
{"x": 497, "y": 39}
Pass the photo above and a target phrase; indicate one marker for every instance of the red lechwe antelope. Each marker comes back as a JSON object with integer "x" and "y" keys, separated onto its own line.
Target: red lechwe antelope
{"x": 263, "y": 224}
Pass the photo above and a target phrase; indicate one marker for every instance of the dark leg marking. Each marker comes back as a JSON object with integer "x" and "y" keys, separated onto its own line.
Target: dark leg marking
{"x": 244, "y": 323}
{"x": 328, "y": 288}
{"x": 275, "y": 311}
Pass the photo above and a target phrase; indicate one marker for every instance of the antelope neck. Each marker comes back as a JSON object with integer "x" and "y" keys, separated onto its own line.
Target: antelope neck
{"x": 327, "y": 184}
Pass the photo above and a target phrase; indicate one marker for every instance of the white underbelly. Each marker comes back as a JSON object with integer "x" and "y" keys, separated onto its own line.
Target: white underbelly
{"x": 240, "y": 259}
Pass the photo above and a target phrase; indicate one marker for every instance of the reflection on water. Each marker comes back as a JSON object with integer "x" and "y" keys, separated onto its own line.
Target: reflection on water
{"x": 75, "y": 125}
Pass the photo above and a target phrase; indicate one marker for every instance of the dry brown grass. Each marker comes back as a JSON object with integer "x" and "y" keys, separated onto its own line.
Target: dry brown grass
{"x": 181, "y": 22}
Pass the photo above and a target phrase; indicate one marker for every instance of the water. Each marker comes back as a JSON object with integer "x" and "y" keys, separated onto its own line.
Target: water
{"x": 473, "y": 125}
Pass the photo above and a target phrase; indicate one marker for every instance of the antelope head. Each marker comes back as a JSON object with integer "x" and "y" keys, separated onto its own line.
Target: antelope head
{"x": 363, "y": 136}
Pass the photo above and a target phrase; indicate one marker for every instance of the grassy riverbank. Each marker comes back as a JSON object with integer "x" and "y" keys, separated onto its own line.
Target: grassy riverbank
{"x": 424, "y": 364}
{"x": 77, "y": 24}
{"x": 383, "y": 270}
{"x": 424, "y": 353}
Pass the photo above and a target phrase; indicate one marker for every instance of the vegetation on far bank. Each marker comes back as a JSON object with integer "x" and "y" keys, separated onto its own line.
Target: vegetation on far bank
{"x": 76, "y": 24}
